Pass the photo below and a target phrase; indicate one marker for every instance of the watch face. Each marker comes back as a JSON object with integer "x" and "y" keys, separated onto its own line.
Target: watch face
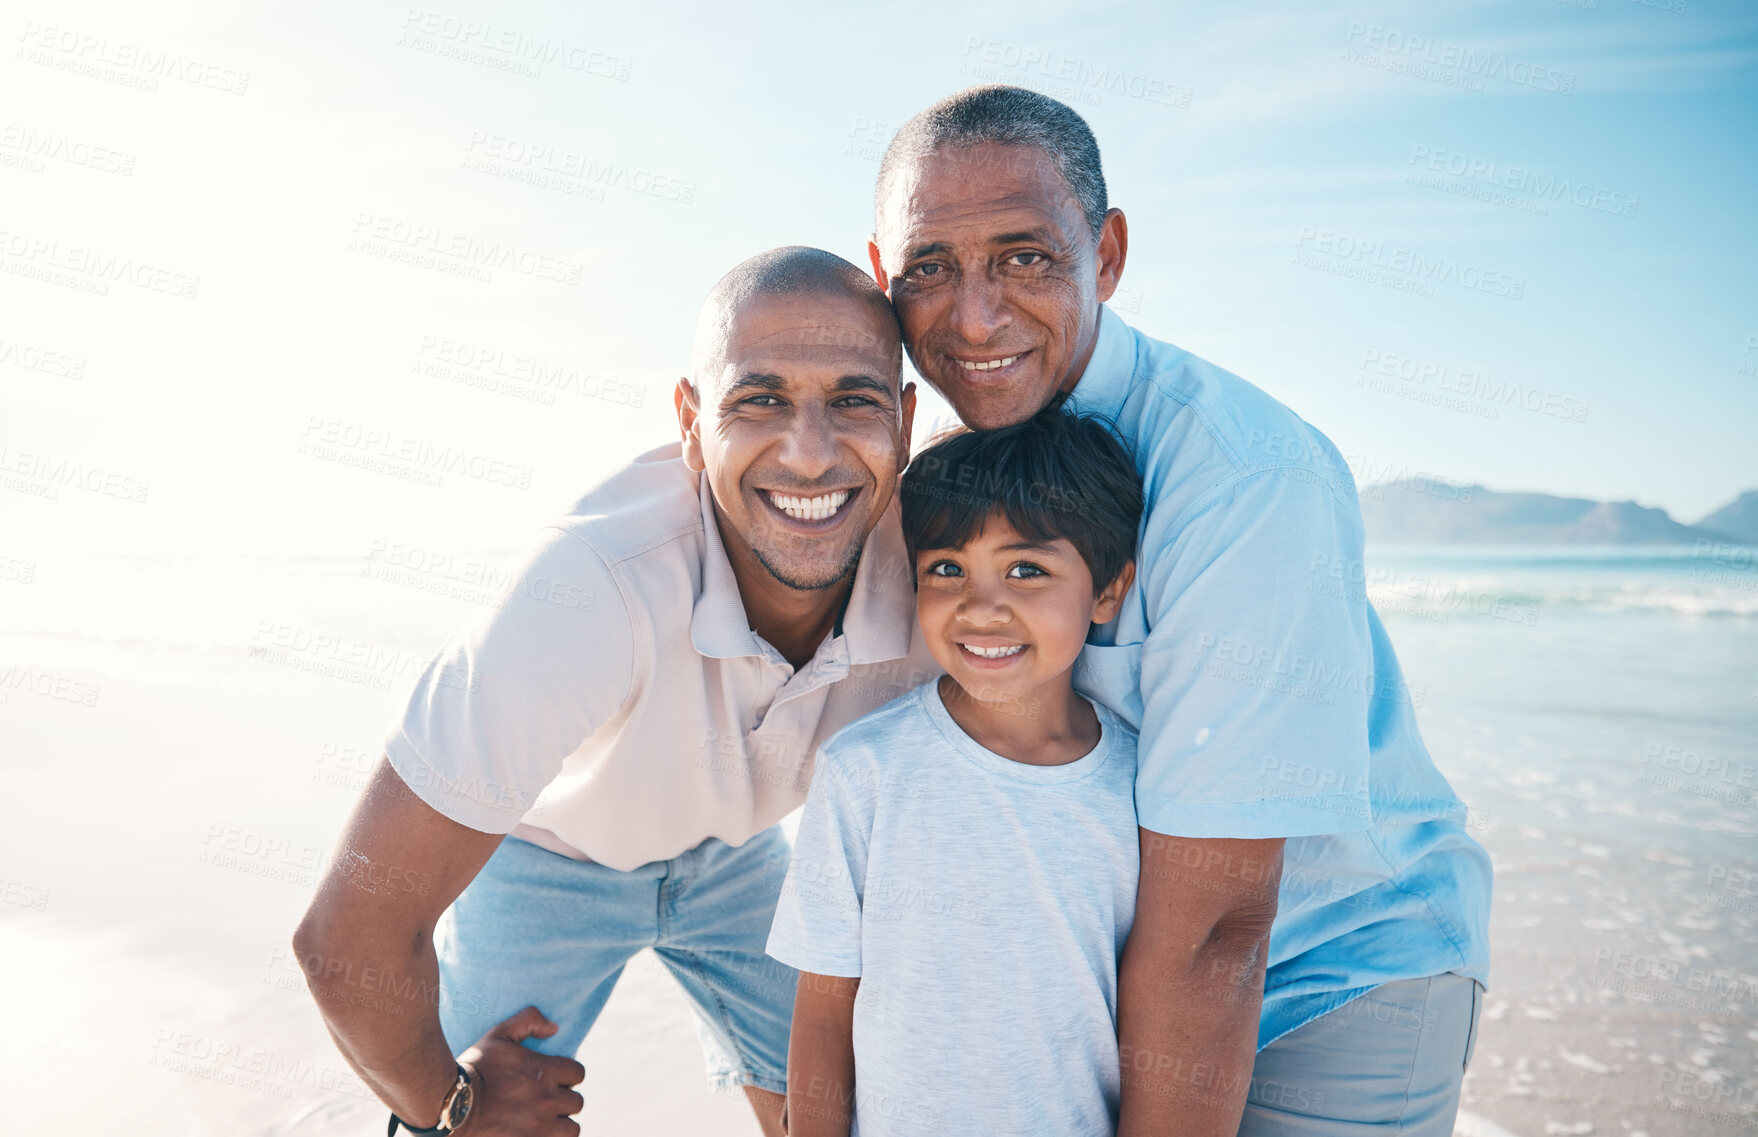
{"x": 458, "y": 1108}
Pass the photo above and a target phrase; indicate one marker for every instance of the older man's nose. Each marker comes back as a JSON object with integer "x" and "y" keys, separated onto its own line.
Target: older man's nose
{"x": 978, "y": 310}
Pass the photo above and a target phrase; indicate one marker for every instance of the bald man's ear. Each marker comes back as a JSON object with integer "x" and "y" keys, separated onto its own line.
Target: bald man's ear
{"x": 689, "y": 423}
{"x": 908, "y": 404}
{"x": 1113, "y": 251}
{"x": 878, "y": 265}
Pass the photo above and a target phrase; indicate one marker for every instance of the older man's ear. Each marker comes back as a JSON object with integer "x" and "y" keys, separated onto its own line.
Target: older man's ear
{"x": 1113, "y": 251}
{"x": 683, "y": 397}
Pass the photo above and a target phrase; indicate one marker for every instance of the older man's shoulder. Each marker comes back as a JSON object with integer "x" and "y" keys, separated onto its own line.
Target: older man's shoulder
{"x": 1249, "y": 428}
{"x": 653, "y": 500}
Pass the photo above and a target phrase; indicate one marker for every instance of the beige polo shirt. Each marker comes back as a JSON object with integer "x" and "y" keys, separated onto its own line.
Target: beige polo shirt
{"x": 617, "y": 706}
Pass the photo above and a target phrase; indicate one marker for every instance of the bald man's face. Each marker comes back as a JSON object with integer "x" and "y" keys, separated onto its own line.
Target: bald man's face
{"x": 797, "y": 420}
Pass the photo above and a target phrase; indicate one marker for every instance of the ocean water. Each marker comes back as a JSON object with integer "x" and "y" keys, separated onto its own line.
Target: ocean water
{"x": 1597, "y": 709}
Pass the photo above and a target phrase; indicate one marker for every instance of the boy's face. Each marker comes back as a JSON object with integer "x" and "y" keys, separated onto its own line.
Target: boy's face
{"x": 1007, "y": 616}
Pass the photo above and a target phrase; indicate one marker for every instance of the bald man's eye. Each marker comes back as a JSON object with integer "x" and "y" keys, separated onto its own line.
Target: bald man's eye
{"x": 1026, "y": 260}
{"x": 760, "y": 401}
{"x": 922, "y": 271}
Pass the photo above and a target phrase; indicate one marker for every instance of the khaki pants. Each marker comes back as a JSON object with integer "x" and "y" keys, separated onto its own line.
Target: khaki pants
{"x": 1388, "y": 1062}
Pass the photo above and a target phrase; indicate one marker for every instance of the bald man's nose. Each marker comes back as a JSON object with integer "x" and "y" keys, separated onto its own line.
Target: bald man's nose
{"x": 808, "y": 445}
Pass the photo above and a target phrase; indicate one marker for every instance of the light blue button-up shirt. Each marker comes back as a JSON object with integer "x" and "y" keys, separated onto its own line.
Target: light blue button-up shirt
{"x": 1268, "y": 699}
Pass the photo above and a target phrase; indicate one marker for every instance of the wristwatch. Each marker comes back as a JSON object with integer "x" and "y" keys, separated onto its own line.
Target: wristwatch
{"x": 454, "y": 1110}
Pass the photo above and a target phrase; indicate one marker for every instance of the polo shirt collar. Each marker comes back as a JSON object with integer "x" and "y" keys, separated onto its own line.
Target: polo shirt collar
{"x": 1110, "y": 373}
{"x": 877, "y": 621}
{"x": 718, "y": 626}
{"x": 880, "y": 619}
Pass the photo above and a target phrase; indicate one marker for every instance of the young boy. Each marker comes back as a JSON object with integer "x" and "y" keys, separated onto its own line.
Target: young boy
{"x": 965, "y": 872}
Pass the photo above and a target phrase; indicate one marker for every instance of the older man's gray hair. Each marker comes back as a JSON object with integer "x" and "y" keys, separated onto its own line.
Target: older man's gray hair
{"x": 1008, "y": 116}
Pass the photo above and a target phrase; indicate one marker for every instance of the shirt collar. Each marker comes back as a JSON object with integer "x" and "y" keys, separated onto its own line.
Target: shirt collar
{"x": 881, "y": 615}
{"x": 876, "y": 622}
{"x": 1110, "y": 373}
{"x": 718, "y": 626}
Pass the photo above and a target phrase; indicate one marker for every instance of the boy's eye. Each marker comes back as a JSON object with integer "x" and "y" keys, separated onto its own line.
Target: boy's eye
{"x": 1025, "y": 570}
{"x": 944, "y": 568}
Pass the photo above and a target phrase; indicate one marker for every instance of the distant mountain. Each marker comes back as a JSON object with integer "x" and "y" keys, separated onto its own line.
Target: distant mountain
{"x": 1421, "y": 512}
{"x": 1738, "y": 518}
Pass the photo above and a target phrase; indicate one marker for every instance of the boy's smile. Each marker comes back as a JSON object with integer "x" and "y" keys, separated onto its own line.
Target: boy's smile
{"x": 990, "y": 655}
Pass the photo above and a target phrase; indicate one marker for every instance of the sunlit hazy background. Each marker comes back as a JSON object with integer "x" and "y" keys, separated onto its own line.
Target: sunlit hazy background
{"x": 310, "y": 314}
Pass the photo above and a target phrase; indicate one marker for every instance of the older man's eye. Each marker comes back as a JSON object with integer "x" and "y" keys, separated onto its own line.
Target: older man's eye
{"x": 924, "y": 271}
{"x": 1026, "y": 260}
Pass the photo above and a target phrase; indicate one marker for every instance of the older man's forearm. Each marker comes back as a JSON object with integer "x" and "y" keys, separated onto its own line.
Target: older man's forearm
{"x": 1190, "y": 989}
{"x": 1187, "y": 1042}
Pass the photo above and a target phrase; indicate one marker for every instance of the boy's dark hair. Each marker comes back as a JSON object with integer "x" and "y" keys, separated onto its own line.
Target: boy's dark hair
{"x": 1057, "y": 474}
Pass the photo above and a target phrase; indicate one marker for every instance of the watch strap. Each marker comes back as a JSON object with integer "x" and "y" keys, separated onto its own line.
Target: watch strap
{"x": 439, "y": 1130}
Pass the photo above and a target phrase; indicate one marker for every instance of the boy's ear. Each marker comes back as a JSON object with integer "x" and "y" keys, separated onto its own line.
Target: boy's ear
{"x": 1111, "y": 599}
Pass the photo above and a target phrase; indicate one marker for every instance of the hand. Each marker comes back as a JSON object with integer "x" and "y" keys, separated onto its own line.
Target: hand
{"x": 519, "y": 1092}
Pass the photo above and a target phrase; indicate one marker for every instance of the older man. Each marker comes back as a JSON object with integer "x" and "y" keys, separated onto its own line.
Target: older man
{"x": 1310, "y": 940}
{"x": 599, "y": 765}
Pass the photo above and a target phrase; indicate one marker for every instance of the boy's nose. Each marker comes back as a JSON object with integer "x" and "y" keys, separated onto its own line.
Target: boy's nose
{"x": 983, "y": 610}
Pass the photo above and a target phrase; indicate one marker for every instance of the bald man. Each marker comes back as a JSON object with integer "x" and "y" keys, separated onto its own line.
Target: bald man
{"x": 599, "y": 765}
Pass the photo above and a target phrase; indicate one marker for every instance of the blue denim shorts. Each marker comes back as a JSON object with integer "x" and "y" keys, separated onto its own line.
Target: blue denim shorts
{"x": 539, "y": 929}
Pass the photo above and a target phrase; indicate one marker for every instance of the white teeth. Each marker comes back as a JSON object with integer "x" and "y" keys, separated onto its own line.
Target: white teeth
{"x": 810, "y": 508}
{"x": 989, "y": 366}
{"x": 993, "y": 652}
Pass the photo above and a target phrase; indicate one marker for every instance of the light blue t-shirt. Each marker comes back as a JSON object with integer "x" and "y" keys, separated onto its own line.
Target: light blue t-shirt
{"x": 1267, "y": 697}
{"x": 984, "y": 904}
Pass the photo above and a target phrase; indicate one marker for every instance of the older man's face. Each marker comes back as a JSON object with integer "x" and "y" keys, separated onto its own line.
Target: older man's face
{"x": 802, "y": 430}
{"x": 996, "y": 277}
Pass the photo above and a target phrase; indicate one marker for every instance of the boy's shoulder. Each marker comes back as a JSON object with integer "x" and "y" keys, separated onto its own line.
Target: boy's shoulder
{"x": 886, "y": 733}
{"x": 1120, "y": 741}
{"x": 880, "y": 755}
{"x": 1113, "y": 724}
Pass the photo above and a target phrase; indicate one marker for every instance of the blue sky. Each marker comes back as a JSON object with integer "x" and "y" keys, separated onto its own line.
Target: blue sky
{"x": 1509, "y": 243}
